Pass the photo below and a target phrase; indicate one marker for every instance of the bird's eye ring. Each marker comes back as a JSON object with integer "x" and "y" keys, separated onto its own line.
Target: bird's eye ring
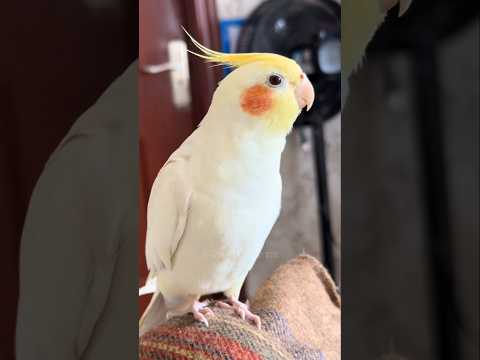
{"x": 275, "y": 80}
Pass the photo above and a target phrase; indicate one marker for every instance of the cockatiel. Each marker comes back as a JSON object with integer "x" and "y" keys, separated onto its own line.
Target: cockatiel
{"x": 217, "y": 197}
{"x": 364, "y": 18}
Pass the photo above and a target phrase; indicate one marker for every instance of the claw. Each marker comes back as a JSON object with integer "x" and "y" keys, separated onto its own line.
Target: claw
{"x": 200, "y": 317}
{"x": 207, "y": 311}
{"x": 200, "y": 309}
{"x": 242, "y": 310}
{"x": 256, "y": 319}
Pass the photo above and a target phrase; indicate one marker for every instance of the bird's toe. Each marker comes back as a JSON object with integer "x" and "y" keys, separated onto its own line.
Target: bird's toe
{"x": 241, "y": 310}
{"x": 200, "y": 317}
{"x": 223, "y": 305}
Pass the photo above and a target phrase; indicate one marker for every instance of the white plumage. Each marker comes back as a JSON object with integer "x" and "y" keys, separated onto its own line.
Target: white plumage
{"x": 215, "y": 200}
{"x": 207, "y": 204}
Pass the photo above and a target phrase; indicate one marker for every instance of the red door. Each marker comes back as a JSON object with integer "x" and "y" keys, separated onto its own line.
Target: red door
{"x": 163, "y": 126}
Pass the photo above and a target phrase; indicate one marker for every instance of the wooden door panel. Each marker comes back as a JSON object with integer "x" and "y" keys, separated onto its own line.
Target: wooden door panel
{"x": 163, "y": 127}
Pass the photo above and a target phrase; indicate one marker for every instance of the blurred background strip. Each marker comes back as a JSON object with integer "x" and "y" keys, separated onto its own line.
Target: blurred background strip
{"x": 410, "y": 188}
{"x": 57, "y": 59}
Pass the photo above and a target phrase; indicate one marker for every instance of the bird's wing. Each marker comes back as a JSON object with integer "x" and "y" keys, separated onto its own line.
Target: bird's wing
{"x": 167, "y": 214}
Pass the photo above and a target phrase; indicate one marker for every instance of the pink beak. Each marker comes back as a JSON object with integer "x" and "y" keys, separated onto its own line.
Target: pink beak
{"x": 304, "y": 93}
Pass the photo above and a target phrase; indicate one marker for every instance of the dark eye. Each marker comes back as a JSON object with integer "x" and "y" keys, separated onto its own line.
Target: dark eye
{"x": 275, "y": 80}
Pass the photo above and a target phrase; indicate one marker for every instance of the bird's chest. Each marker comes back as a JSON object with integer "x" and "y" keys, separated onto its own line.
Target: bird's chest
{"x": 227, "y": 232}
{"x": 233, "y": 206}
{"x": 237, "y": 214}
{"x": 235, "y": 209}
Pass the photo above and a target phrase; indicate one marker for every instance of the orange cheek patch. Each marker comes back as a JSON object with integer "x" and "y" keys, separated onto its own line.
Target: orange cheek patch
{"x": 257, "y": 100}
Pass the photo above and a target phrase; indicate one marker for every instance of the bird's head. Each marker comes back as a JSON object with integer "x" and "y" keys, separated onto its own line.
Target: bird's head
{"x": 268, "y": 89}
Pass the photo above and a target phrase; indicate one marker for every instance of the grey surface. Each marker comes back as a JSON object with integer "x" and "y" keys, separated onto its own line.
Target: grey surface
{"x": 387, "y": 304}
{"x": 79, "y": 249}
{"x": 460, "y": 66}
{"x": 383, "y": 255}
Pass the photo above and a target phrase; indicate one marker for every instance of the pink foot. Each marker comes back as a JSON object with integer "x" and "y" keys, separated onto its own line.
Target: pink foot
{"x": 197, "y": 308}
{"x": 200, "y": 309}
{"x": 242, "y": 310}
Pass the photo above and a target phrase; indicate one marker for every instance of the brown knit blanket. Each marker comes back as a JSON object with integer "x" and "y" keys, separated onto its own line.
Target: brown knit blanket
{"x": 300, "y": 311}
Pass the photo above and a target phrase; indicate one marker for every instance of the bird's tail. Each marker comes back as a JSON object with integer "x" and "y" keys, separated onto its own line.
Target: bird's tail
{"x": 150, "y": 286}
{"x": 155, "y": 314}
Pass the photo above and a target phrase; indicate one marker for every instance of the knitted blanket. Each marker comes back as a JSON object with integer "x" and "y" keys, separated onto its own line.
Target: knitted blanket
{"x": 300, "y": 311}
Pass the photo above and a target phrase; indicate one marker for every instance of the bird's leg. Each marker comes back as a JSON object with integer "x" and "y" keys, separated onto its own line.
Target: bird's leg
{"x": 199, "y": 309}
{"x": 241, "y": 309}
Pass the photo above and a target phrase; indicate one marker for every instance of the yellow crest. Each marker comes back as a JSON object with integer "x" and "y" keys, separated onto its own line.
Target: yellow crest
{"x": 288, "y": 66}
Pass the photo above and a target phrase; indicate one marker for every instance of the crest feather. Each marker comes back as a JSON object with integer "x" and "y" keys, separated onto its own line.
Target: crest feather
{"x": 240, "y": 59}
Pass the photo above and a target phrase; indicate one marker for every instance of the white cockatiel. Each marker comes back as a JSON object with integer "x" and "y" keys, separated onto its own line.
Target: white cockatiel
{"x": 217, "y": 197}
{"x": 364, "y": 18}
